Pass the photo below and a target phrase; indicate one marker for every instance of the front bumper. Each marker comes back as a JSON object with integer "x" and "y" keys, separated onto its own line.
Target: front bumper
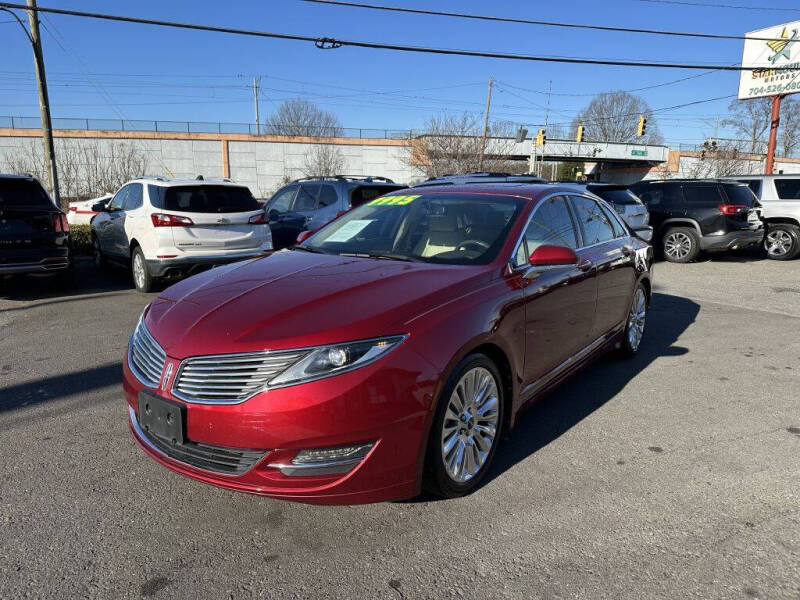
{"x": 732, "y": 240}
{"x": 385, "y": 404}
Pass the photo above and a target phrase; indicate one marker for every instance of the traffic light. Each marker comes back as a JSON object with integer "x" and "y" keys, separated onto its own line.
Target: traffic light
{"x": 579, "y": 135}
{"x": 541, "y": 138}
{"x": 642, "y": 128}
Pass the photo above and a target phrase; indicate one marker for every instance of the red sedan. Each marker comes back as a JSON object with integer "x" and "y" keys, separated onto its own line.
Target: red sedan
{"x": 390, "y": 350}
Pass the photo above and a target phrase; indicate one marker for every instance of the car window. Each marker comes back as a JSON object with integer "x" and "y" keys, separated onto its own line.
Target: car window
{"x": 739, "y": 194}
{"x": 595, "y": 225}
{"x": 214, "y": 199}
{"x": 613, "y": 219}
{"x": 365, "y": 193}
{"x": 788, "y": 189}
{"x": 133, "y": 199}
{"x": 327, "y": 195}
{"x": 306, "y": 198}
{"x": 615, "y": 195}
{"x": 119, "y": 199}
{"x": 551, "y": 224}
{"x": 703, "y": 194}
{"x": 26, "y": 193}
{"x": 659, "y": 196}
{"x": 753, "y": 184}
{"x": 282, "y": 199}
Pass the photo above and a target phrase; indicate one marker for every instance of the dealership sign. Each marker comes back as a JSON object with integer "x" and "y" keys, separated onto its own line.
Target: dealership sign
{"x": 775, "y": 56}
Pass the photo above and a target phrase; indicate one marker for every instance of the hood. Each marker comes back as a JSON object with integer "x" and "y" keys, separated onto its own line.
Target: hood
{"x": 294, "y": 299}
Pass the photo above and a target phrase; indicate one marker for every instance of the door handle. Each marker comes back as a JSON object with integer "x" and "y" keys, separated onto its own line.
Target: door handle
{"x": 585, "y": 265}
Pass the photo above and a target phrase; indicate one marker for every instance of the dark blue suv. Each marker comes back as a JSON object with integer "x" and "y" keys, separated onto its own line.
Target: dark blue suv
{"x": 310, "y": 202}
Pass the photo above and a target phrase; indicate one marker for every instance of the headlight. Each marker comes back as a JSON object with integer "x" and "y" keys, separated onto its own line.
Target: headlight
{"x": 326, "y": 361}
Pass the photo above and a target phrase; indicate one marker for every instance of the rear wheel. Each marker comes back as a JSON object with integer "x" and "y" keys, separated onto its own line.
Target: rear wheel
{"x": 142, "y": 279}
{"x": 466, "y": 428}
{"x": 782, "y": 241}
{"x": 637, "y": 318}
{"x": 681, "y": 245}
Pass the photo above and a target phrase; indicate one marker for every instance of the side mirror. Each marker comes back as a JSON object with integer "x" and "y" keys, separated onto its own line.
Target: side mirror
{"x": 548, "y": 255}
{"x": 273, "y": 214}
{"x": 303, "y": 236}
{"x": 99, "y": 207}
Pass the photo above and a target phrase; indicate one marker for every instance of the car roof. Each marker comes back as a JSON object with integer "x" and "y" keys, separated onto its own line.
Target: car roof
{"x": 176, "y": 181}
{"x": 479, "y": 178}
{"x": 351, "y": 179}
{"x": 762, "y": 176}
{"x": 529, "y": 191}
{"x": 16, "y": 176}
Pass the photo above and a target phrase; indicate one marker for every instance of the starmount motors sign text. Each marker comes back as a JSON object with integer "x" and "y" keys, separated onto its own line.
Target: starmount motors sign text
{"x": 775, "y": 54}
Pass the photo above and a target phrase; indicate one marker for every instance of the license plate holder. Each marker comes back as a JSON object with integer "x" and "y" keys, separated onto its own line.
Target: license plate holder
{"x": 162, "y": 417}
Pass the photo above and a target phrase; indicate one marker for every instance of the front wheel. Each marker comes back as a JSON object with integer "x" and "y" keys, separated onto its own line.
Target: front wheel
{"x": 142, "y": 279}
{"x": 634, "y": 326}
{"x": 782, "y": 241}
{"x": 466, "y": 428}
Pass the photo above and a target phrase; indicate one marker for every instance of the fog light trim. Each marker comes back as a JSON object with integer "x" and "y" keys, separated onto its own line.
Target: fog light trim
{"x": 324, "y": 461}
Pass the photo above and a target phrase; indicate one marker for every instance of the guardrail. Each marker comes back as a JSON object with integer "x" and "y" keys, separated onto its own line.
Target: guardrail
{"x": 9, "y": 122}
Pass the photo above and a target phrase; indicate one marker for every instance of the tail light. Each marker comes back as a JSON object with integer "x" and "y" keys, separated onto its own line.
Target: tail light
{"x": 60, "y": 223}
{"x": 165, "y": 220}
{"x": 259, "y": 219}
{"x": 731, "y": 209}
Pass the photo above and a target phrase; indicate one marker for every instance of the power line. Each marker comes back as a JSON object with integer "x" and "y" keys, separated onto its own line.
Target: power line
{"x": 441, "y": 13}
{"x": 711, "y": 5}
{"x": 328, "y": 43}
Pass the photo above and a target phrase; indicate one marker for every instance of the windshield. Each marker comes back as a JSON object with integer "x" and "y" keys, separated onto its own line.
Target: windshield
{"x": 205, "y": 199}
{"x": 616, "y": 196}
{"x": 438, "y": 228}
{"x": 23, "y": 193}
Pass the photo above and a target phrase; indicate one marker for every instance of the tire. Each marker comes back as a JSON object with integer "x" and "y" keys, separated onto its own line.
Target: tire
{"x": 445, "y": 474}
{"x": 98, "y": 257}
{"x": 782, "y": 241}
{"x": 142, "y": 279}
{"x": 680, "y": 244}
{"x": 635, "y": 324}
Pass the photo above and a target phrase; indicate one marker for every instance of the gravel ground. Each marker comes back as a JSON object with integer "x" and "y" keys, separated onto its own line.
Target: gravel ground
{"x": 674, "y": 475}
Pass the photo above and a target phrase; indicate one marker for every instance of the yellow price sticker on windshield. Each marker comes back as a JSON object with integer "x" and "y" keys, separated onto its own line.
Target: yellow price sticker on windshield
{"x": 393, "y": 200}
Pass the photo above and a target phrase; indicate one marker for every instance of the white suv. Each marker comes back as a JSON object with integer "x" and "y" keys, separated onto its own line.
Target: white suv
{"x": 173, "y": 227}
{"x": 779, "y": 196}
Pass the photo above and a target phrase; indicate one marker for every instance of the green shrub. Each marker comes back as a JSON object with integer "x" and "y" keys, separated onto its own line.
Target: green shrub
{"x": 81, "y": 238}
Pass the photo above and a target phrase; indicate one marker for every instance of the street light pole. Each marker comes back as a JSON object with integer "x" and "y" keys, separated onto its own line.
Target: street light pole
{"x": 44, "y": 101}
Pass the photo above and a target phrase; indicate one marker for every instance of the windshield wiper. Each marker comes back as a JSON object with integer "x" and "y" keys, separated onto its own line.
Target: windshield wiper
{"x": 381, "y": 255}
{"x": 308, "y": 249}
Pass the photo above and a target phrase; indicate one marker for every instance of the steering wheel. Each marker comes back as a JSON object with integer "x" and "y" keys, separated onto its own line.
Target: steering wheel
{"x": 482, "y": 246}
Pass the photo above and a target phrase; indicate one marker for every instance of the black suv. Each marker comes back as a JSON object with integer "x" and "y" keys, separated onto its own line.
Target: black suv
{"x": 311, "y": 202}
{"x": 692, "y": 215}
{"x": 34, "y": 233}
{"x": 481, "y": 177}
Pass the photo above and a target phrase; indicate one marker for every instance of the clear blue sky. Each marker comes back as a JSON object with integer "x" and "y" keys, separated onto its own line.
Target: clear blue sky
{"x": 102, "y": 69}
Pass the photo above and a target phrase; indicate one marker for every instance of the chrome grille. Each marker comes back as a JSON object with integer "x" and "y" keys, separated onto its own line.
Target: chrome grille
{"x": 145, "y": 356}
{"x": 230, "y": 378}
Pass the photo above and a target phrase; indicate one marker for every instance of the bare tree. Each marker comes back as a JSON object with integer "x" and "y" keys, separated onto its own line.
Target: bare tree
{"x": 324, "y": 159}
{"x": 790, "y": 126}
{"x": 301, "y": 117}
{"x": 454, "y": 144}
{"x": 614, "y": 117}
{"x": 86, "y": 168}
{"x": 750, "y": 119}
{"x": 718, "y": 159}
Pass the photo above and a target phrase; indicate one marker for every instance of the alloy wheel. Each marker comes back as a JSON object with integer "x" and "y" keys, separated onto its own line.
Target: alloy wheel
{"x": 138, "y": 271}
{"x": 677, "y": 245}
{"x": 778, "y": 243}
{"x": 636, "y": 319}
{"x": 470, "y": 424}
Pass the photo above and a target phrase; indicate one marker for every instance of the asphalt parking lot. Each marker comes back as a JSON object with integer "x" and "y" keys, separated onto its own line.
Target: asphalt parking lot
{"x": 673, "y": 475}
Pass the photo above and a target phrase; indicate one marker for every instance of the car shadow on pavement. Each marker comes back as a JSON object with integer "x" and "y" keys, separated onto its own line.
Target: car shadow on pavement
{"x": 88, "y": 280}
{"x": 56, "y": 387}
{"x": 574, "y": 400}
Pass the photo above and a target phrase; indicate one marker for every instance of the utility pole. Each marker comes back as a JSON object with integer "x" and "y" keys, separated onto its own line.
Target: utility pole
{"x": 256, "y": 83}
{"x": 485, "y": 124}
{"x": 775, "y": 120}
{"x": 44, "y": 101}
{"x": 546, "y": 120}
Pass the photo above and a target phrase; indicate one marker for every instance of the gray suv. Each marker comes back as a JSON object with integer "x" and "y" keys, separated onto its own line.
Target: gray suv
{"x": 311, "y": 202}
